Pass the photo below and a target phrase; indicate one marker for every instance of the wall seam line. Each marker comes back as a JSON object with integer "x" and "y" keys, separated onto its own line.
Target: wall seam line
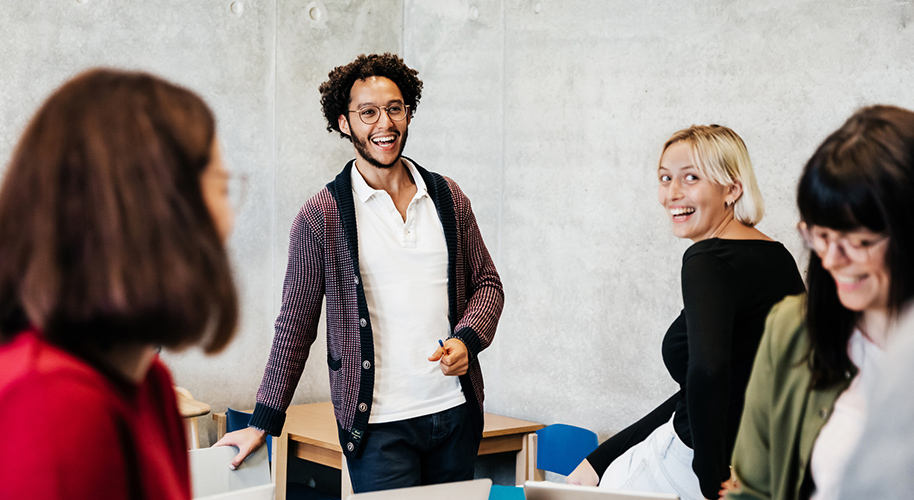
{"x": 504, "y": 78}
{"x": 273, "y": 159}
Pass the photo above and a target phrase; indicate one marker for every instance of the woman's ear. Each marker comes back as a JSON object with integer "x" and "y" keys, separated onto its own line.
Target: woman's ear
{"x": 735, "y": 191}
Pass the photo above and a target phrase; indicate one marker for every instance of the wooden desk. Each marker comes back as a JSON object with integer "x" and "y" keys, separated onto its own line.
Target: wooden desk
{"x": 310, "y": 433}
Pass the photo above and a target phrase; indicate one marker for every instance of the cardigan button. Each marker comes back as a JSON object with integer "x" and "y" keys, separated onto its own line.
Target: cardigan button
{"x": 366, "y": 364}
{"x": 847, "y": 374}
{"x": 363, "y": 322}
{"x": 823, "y": 413}
{"x": 363, "y": 407}
{"x": 350, "y": 446}
{"x": 356, "y": 280}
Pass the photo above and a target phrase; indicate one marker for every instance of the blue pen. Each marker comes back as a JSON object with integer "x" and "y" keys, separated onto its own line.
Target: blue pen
{"x": 441, "y": 343}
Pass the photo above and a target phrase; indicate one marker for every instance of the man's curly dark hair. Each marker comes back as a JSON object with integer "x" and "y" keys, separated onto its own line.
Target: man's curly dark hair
{"x": 335, "y": 91}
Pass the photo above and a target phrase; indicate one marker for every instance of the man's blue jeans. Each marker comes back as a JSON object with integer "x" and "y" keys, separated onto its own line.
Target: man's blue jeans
{"x": 430, "y": 449}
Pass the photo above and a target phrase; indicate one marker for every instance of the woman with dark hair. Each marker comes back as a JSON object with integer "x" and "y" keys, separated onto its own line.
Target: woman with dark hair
{"x": 731, "y": 276}
{"x": 805, "y": 402}
{"x": 113, "y": 216}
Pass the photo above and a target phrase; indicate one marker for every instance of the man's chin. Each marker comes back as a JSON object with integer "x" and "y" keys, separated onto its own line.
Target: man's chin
{"x": 376, "y": 163}
{"x": 373, "y": 161}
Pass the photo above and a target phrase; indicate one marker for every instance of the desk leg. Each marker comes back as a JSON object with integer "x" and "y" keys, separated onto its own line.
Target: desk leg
{"x": 521, "y": 472}
{"x": 525, "y": 469}
{"x": 281, "y": 464}
{"x": 346, "y": 486}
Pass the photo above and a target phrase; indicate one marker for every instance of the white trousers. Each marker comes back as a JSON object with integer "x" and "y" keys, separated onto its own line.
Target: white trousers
{"x": 662, "y": 463}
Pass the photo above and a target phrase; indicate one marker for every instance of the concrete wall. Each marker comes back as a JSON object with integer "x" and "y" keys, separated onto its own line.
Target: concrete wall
{"x": 258, "y": 64}
{"x": 550, "y": 114}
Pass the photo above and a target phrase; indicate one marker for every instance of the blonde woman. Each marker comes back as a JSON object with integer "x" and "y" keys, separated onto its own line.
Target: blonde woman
{"x": 731, "y": 276}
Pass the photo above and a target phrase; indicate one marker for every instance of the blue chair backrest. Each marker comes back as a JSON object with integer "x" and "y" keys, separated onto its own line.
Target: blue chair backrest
{"x": 561, "y": 447}
{"x": 499, "y": 492}
{"x": 235, "y": 420}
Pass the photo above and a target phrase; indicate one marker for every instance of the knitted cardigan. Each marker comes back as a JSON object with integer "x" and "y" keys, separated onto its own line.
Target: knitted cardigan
{"x": 324, "y": 261}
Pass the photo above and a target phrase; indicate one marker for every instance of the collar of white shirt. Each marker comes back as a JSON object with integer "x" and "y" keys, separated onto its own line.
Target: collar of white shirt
{"x": 364, "y": 191}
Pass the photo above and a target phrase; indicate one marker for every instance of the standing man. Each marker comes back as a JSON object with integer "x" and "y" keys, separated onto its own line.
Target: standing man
{"x": 397, "y": 253}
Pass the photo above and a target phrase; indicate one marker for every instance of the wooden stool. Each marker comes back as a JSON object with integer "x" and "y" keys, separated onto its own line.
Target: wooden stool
{"x": 190, "y": 409}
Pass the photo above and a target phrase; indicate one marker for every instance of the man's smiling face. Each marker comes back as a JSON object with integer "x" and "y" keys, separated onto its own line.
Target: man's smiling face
{"x": 381, "y": 143}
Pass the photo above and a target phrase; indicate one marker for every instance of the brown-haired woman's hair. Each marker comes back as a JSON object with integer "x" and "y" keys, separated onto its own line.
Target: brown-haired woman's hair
{"x": 862, "y": 176}
{"x": 105, "y": 237}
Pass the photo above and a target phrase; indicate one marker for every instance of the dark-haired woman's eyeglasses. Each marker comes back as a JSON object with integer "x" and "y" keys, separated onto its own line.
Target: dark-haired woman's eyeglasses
{"x": 855, "y": 246}
{"x": 237, "y": 187}
{"x": 371, "y": 114}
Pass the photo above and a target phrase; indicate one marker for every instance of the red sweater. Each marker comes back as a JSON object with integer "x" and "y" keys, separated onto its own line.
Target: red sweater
{"x": 70, "y": 432}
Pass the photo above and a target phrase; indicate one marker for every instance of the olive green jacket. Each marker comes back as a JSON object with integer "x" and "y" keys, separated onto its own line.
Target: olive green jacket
{"x": 782, "y": 416}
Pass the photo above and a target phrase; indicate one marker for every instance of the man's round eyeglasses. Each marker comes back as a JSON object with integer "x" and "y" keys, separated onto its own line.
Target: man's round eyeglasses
{"x": 854, "y": 247}
{"x": 371, "y": 114}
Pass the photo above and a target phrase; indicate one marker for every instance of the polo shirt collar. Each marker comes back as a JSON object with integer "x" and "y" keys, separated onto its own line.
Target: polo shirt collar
{"x": 363, "y": 191}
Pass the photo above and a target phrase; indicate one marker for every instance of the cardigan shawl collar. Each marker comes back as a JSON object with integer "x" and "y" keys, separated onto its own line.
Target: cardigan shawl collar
{"x": 341, "y": 189}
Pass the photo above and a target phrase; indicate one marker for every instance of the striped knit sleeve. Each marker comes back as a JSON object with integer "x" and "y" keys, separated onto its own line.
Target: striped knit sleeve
{"x": 483, "y": 289}
{"x": 296, "y": 325}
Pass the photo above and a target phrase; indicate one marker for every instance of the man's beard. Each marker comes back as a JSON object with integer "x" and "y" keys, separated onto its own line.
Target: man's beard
{"x": 361, "y": 145}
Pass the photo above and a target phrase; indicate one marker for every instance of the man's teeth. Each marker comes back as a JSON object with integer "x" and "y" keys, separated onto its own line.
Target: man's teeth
{"x": 387, "y": 139}
{"x": 681, "y": 211}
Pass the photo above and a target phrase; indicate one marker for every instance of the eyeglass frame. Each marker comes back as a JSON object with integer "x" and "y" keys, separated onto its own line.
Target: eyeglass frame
{"x": 379, "y": 108}
{"x": 858, "y": 252}
{"x": 236, "y": 185}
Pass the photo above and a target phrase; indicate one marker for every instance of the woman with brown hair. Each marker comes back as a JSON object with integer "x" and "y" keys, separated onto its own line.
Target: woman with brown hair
{"x": 807, "y": 399}
{"x": 113, "y": 217}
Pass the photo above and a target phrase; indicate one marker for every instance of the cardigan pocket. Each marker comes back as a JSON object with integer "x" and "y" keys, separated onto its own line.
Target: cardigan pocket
{"x": 334, "y": 364}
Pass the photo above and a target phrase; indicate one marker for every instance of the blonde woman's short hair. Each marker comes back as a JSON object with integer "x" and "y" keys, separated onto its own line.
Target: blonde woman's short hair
{"x": 720, "y": 154}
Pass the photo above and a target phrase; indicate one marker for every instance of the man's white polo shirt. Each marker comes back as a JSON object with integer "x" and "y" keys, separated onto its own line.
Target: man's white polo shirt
{"x": 404, "y": 274}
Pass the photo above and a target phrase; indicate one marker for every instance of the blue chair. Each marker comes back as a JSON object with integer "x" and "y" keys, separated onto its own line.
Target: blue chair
{"x": 499, "y": 492}
{"x": 235, "y": 420}
{"x": 561, "y": 447}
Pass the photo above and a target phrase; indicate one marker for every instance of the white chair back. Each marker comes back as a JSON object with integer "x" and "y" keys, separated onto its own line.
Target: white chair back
{"x": 212, "y": 479}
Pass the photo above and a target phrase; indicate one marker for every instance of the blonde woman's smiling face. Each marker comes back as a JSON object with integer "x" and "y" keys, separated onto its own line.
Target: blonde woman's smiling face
{"x": 696, "y": 205}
